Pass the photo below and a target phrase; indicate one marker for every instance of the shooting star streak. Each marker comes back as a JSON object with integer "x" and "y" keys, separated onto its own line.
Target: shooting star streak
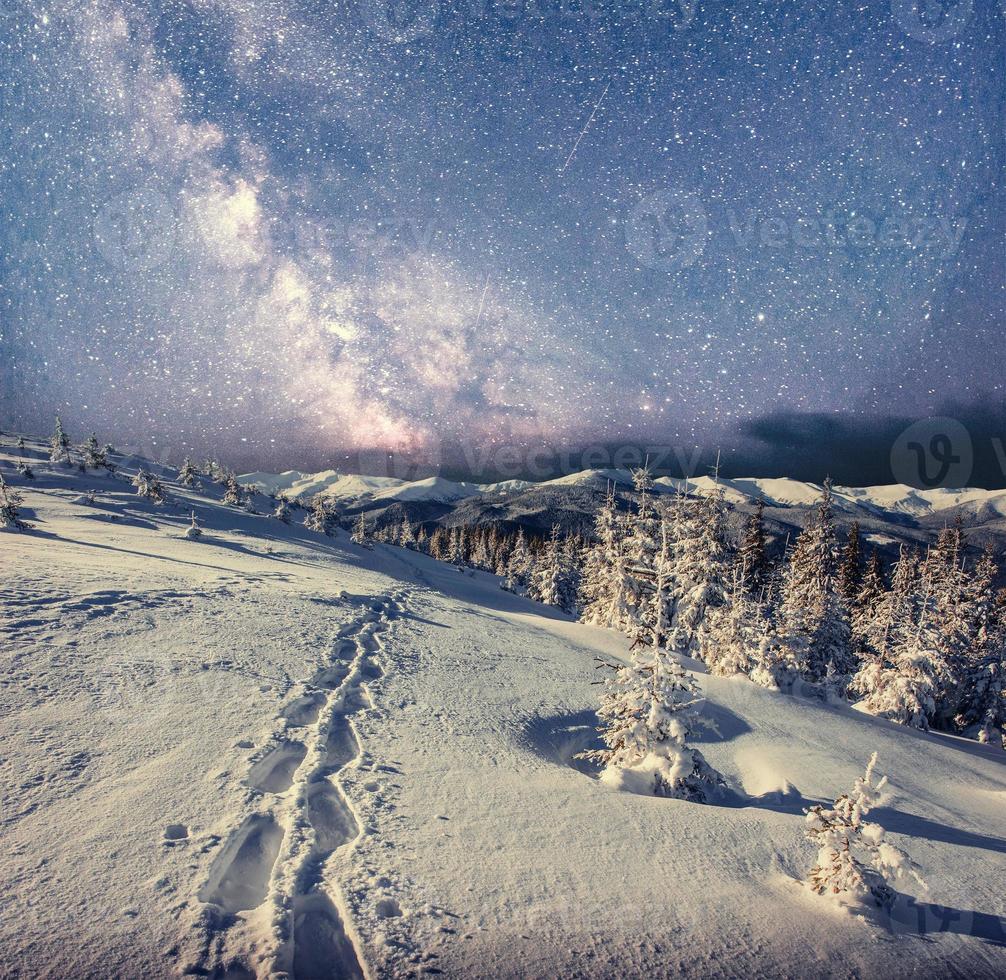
{"x": 482, "y": 302}
{"x": 586, "y": 126}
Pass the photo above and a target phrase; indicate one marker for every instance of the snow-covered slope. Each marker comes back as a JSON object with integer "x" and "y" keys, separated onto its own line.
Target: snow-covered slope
{"x": 435, "y": 489}
{"x": 329, "y": 483}
{"x": 268, "y": 752}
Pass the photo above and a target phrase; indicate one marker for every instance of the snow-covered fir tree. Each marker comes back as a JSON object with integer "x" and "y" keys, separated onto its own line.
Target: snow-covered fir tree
{"x": 814, "y": 620}
{"x": 518, "y": 569}
{"x": 550, "y": 580}
{"x": 850, "y": 574}
{"x": 10, "y": 507}
{"x": 896, "y": 609}
{"x": 902, "y": 677}
{"x": 361, "y": 534}
{"x": 148, "y": 486}
{"x": 282, "y": 511}
{"x": 947, "y": 607}
{"x": 573, "y": 552}
{"x": 187, "y": 475}
{"x": 981, "y": 700}
{"x": 701, "y": 569}
{"x": 455, "y": 547}
{"x": 737, "y": 632}
{"x": 604, "y": 586}
{"x": 234, "y": 494}
{"x": 648, "y": 709}
{"x": 853, "y": 856}
{"x": 20, "y": 444}
{"x": 480, "y": 556}
{"x": 59, "y": 444}
{"x": 320, "y": 517}
{"x": 865, "y": 607}
{"x": 193, "y": 532}
{"x": 25, "y": 470}
{"x": 92, "y": 455}
{"x": 639, "y": 548}
{"x": 406, "y": 535}
{"x": 752, "y": 555}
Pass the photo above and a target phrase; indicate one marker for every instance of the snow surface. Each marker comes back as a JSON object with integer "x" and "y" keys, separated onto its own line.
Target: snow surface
{"x": 268, "y": 752}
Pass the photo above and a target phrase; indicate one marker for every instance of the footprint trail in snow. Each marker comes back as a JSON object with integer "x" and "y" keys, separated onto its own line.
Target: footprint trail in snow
{"x": 306, "y": 808}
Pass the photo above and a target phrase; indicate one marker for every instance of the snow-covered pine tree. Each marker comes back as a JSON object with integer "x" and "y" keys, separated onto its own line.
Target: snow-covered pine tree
{"x": 640, "y": 542}
{"x": 981, "y": 699}
{"x": 25, "y": 470}
{"x": 866, "y": 607}
{"x": 233, "y": 495}
{"x": 904, "y": 683}
{"x": 648, "y": 709}
{"x": 573, "y": 553}
{"x": 319, "y": 516}
{"x": 752, "y": 555}
{"x": 456, "y": 553}
{"x": 282, "y": 511}
{"x": 148, "y": 486}
{"x": 10, "y": 507}
{"x": 896, "y": 610}
{"x": 850, "y": 575}
{"x": 948, "y": 604}
{"x": 406, "y": 536}
{"x": 702, "y": 561}
{"x": 604, "y": 586}
{"x": 813, "y": 617}
{"x": 59, "y": 444}
{"x": 361, "y": 535}
{"x": 422, "y": 539}
{"x": 194, "y": 532}
{"x": 438, "y": 543}
{"x": 518, "y": 569}
{"x": 550, "y": 580}
{"x": 20, "y": 444}
{"x": 187, "y": 475}
{"x": 92, "y": 455}
{"x": 735, "y": 630}
{"x": 853, "y": 856}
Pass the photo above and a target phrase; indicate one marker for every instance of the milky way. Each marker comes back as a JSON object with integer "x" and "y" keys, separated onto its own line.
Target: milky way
{"x": 280, "y": 231}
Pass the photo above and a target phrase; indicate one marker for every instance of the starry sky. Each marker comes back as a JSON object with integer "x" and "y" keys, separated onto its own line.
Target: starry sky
{"x": 290, "y": 231}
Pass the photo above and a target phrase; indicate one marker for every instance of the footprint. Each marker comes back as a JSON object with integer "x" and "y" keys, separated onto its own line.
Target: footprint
{"x": 370, "y": 671}
{"x": 333, "y": 821}
{"x": 341, "y": 745}
{"x": 304, "y": 710}
{"x": 321, "y": 948}
{"x": 176, "y": 831}
{"x": 331, "y": 677}
{"x": 239, "y": 878}
{"x": 274, "y": 772}
{"x": 388, "y": 908}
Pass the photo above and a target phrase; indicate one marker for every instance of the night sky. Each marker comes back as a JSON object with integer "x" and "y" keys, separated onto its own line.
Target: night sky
{"x": 281, "y": 232}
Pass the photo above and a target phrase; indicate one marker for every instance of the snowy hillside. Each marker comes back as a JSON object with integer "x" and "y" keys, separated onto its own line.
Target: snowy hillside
{"x": 267, "y": 752}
